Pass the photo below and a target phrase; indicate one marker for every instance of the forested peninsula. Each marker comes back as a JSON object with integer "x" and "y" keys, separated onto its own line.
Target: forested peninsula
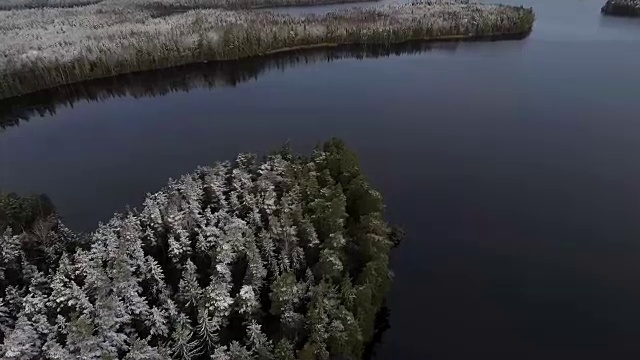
{"x": 284, "y": 258}
{"x": 52, "y": 46}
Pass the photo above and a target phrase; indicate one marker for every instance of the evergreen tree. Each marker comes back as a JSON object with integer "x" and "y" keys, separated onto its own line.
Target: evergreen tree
{"x": 281, "y": 259}
{"x": 207, "y": 332}
{"x": 260, "y": 347}
{"x": 22, "y": 342}
{"x": 141, "y": 350}
{"x": 284, "y": 350}
{"x": 184, "y": 347}
{"x": 190, "y": 292}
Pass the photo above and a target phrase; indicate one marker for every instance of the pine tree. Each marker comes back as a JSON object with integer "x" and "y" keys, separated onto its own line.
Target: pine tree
{"x": 6, "y": 322}
{"x": 157, "y": 322}
{"x": 26, "y": 339}
{"x": 241, "y": 197}
{"x": 183, "y": 345}
{"x": 238, "y": 352}
{"x": 207, "y": 332}
{"x": 330, "y": 264}
{"x": 140, "y": 350}
{"x": 190, "y": 292}
{"x": 247, "y": 300}
{"x": 80, "y": 340}
{"x": 256, "y": 272}
{"x": 285, "y": 293}
{"x": 22, "y": 342}
{"x": 217, "y": 297}
{"x": 284, "y": 350}
{"x": 10, "y": 250}
{"x": 220, "y": 353}
{"x": 260, "y": 347}
{"x": 215, "y": 184}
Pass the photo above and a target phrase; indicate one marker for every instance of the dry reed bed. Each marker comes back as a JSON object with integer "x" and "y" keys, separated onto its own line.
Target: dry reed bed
{"x": 43, "y": 48}
{"x": 622, "y": 8}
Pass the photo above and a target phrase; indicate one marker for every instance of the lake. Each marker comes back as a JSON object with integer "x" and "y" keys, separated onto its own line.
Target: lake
{"x": 513, "y": 166}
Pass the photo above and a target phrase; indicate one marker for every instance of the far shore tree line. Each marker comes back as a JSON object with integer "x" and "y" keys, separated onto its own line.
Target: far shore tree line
{"x": 54, "y": 46}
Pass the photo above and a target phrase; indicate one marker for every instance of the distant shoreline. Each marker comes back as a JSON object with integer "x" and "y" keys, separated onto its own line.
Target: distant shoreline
{"x": 443, "y": 38}
{"x": 293, "y": 50}
{"x": 625, "y": 8}
{"x": 94, "y": 42}
{"x": 171, "y": 6}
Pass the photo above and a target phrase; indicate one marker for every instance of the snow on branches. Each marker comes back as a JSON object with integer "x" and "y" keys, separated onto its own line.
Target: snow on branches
{"x": 236, "y": 261}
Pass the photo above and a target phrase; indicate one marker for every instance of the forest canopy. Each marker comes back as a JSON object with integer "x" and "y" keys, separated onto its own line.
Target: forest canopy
{"x": 284, "y": 258}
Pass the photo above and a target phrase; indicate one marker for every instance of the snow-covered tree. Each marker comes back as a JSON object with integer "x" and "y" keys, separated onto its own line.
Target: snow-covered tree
{"x": 259, "y": 344}
{"x": 285, "y": 293}
{"x": 22, "y": 342}
{"x": 141, "y": 350}
{"x": 237, "y": 351}
{"x": 284, "y": 350}
{"x": 207, "y": 332}
{"x": 247, "y": 300}
{"x": 280, "y": 259}
{"x": 220, "y": 353}
{"x": 189, "y": 291}
{"x": 184, "y": 347}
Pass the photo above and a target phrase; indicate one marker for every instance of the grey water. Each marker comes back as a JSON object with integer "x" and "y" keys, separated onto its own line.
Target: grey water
{"x": 513, "y": 166}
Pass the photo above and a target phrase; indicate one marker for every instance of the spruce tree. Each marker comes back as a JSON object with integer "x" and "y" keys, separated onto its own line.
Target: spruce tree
{"x": 279, "y": 259}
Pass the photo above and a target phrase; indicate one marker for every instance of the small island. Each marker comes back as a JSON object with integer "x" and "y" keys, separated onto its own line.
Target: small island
{"x": 278, "y": 259}
{"x": 48, "y": 47}
{"x": 630, "y": 8}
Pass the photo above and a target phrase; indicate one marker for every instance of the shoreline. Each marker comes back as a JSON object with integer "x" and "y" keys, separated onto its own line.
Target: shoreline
{"x": 209, "y": 75}
{"x": 444, "y": 38}
{"x": 171, "y": 9}
{"x": 93, "y": 43}
{"x": 295, "y": 49}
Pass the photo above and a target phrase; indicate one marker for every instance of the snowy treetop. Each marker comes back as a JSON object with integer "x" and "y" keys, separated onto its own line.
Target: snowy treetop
{"x": 282, "y": 258}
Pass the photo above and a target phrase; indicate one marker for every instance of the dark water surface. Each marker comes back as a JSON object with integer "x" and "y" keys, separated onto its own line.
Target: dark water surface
{"x": 513, "y": 166}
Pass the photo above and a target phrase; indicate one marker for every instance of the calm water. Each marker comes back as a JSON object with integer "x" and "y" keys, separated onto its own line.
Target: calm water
{"x": 514, "y": 167}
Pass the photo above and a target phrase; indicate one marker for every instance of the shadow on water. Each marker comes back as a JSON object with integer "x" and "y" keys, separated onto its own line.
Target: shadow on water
{"x": 619, "y": 22}
{"x": 195, "y": 76}
{"x": 382, "y": 324}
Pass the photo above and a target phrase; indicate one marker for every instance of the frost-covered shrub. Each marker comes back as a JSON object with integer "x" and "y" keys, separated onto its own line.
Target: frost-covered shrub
{"x": 42, "y": 48}
{"x": 282, "y": 258}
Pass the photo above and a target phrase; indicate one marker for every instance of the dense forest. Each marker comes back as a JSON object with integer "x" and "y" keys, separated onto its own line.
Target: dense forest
{"x": 284, "y": 258}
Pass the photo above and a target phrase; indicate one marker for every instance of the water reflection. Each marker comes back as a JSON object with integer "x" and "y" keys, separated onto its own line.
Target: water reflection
{"x": 619, "y": 23}
{"x": 189, "y": 77}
